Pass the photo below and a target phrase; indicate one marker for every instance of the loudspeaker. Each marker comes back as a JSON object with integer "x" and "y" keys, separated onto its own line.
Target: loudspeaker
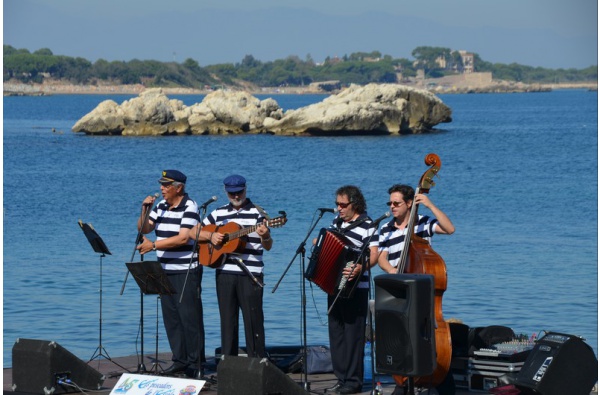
{"x": 44, "y": 367}
{"x": 404, "y": 324}
{"x": 243, "y": 375}
{"x": 559, "y": 364}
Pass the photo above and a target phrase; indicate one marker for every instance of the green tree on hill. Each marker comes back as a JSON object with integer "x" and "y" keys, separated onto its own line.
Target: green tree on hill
{"x": 357, "y": 68}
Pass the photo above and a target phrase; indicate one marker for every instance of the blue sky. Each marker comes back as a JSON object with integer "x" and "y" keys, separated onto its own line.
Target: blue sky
{"x": 545, "y": 33}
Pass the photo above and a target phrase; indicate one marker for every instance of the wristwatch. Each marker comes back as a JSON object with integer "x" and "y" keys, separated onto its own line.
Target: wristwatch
{"x": 153, "y": 246}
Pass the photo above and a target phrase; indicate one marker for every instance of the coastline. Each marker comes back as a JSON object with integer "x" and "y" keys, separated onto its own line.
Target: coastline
{"x": 439, "y": 85}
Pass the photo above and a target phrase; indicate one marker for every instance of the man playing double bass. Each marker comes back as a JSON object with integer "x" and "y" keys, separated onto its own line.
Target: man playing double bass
{"x": 391, "y": 238}
{"x": 392, "y": 242}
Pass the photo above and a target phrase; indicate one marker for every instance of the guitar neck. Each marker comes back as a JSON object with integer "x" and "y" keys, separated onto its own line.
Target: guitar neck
{"x": 248, "y": 230}
{"x": 242, "y": 232}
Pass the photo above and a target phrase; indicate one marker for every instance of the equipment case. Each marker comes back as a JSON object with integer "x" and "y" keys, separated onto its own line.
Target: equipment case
{"x": 484, "y": 374}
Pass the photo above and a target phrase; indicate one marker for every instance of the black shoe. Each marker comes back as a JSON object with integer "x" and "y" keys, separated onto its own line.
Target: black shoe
{"x": 398, "y": 390}
{"x": 335, "y": 388}
{"x": 194, "y": 373}
{"x": 347, "y": 389}
{"x": 175, "y": 368}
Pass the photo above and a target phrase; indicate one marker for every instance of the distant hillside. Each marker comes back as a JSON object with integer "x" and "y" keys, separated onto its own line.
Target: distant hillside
{"x": 43, "y": 67}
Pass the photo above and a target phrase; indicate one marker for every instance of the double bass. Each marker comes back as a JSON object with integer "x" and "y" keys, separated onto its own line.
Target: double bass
{"x": 419, "y": 258}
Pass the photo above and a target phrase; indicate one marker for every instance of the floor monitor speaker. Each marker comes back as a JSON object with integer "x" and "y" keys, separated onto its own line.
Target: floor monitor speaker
{"x": 250, "y": 376}
{"x": 404, "y": 324}
{"x": 559, "y": 364}
{"x": 44, "y": 367}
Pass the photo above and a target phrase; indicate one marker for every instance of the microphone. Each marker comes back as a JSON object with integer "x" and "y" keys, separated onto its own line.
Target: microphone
{"x": 328, "y": 210}
{"x": 156, "y": 195}
{"x": 209, "y": 201}
{"x": 378, "y": 220}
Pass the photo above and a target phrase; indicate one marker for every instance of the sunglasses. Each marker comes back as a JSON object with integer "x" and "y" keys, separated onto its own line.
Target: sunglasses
{"x": 395, "y": 204}
{"x": 343, "y": 205}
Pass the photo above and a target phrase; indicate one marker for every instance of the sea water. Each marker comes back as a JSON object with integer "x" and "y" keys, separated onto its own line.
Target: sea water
{"x": 518, "y": 179}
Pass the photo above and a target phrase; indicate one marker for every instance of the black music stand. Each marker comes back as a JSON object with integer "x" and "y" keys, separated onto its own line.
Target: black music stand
{"x": 98, "y": 246}
{"x": 152, "y": 279}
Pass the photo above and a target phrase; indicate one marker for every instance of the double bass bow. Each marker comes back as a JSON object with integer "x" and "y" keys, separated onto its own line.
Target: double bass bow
{"x": 419, "y": 258}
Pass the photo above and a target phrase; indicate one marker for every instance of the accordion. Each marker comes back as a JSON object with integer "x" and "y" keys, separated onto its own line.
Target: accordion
{"x": 331, "y": 254}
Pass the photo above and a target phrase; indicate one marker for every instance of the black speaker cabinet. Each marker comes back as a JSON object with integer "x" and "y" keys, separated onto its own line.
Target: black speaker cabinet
{"x": 39, "y": 367}
{"x": 244, "y": 375}
{"x": 404, "y": 324}
{"x": 559, "y": 364}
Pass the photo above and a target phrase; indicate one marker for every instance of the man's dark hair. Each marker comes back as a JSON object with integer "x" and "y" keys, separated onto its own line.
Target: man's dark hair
{"x": 355, "y": 197}
{"x": 408, "y": 193}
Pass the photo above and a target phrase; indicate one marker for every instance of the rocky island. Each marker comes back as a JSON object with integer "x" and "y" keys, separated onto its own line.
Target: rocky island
{"x": 382, "y": 109}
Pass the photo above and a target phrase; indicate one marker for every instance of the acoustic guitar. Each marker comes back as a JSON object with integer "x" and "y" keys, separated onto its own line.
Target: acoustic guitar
{"x": 233, "y": 241}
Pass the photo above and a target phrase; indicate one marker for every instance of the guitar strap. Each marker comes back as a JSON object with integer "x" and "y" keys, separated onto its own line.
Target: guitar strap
{"x": 362, "y": 218}
{"x": 262, "y": 212}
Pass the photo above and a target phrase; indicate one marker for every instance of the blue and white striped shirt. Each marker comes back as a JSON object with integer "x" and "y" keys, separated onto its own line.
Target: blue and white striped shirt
{"x": 168, "y": 223}
{"x": 391, "y": 238}
{"x": 252, "y": 255}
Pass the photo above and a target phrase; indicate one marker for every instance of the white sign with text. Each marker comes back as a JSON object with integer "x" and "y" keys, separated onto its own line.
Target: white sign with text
{"x": 139, "y": 384}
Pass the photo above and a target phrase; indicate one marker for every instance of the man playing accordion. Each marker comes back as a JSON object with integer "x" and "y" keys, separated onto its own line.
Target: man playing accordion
{"x": 347, "y": 317}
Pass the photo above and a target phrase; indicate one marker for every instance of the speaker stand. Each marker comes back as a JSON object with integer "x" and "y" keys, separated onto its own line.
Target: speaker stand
{"x": 411, "y": 386}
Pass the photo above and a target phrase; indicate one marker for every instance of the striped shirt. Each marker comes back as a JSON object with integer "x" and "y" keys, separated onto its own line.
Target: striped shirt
{"x": 359, "y": 235}
{"x": 252, "y": 255}
{"x": 391, "y": 238}
{"x": 168, "y": 223}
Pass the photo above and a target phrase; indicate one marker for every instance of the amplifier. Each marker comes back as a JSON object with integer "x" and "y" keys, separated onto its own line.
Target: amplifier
{"x": 559, "y": 364}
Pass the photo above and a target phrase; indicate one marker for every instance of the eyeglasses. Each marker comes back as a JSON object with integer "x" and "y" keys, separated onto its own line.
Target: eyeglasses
{"x": 238, "y": 193}
{"x": 343, "y": 205}
{"x": 166, "y": 184}
{"x": 396, "y": 204}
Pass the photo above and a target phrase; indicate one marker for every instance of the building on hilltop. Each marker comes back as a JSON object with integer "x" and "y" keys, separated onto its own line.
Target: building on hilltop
{"x": 468, "y": 61}
{"x": 441, "y": 62}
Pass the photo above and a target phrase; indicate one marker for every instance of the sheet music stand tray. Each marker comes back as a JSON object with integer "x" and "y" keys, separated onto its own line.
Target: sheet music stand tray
{"x": 152, "y": 279}
{"x": 100, "y": 247}
{"x": 94, "y": 238}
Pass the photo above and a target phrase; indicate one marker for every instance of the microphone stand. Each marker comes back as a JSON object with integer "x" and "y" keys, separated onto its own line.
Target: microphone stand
{"x": 201, "y": 218}
{"x": 138, "y": 239}
{"x": 301, "y": 250}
